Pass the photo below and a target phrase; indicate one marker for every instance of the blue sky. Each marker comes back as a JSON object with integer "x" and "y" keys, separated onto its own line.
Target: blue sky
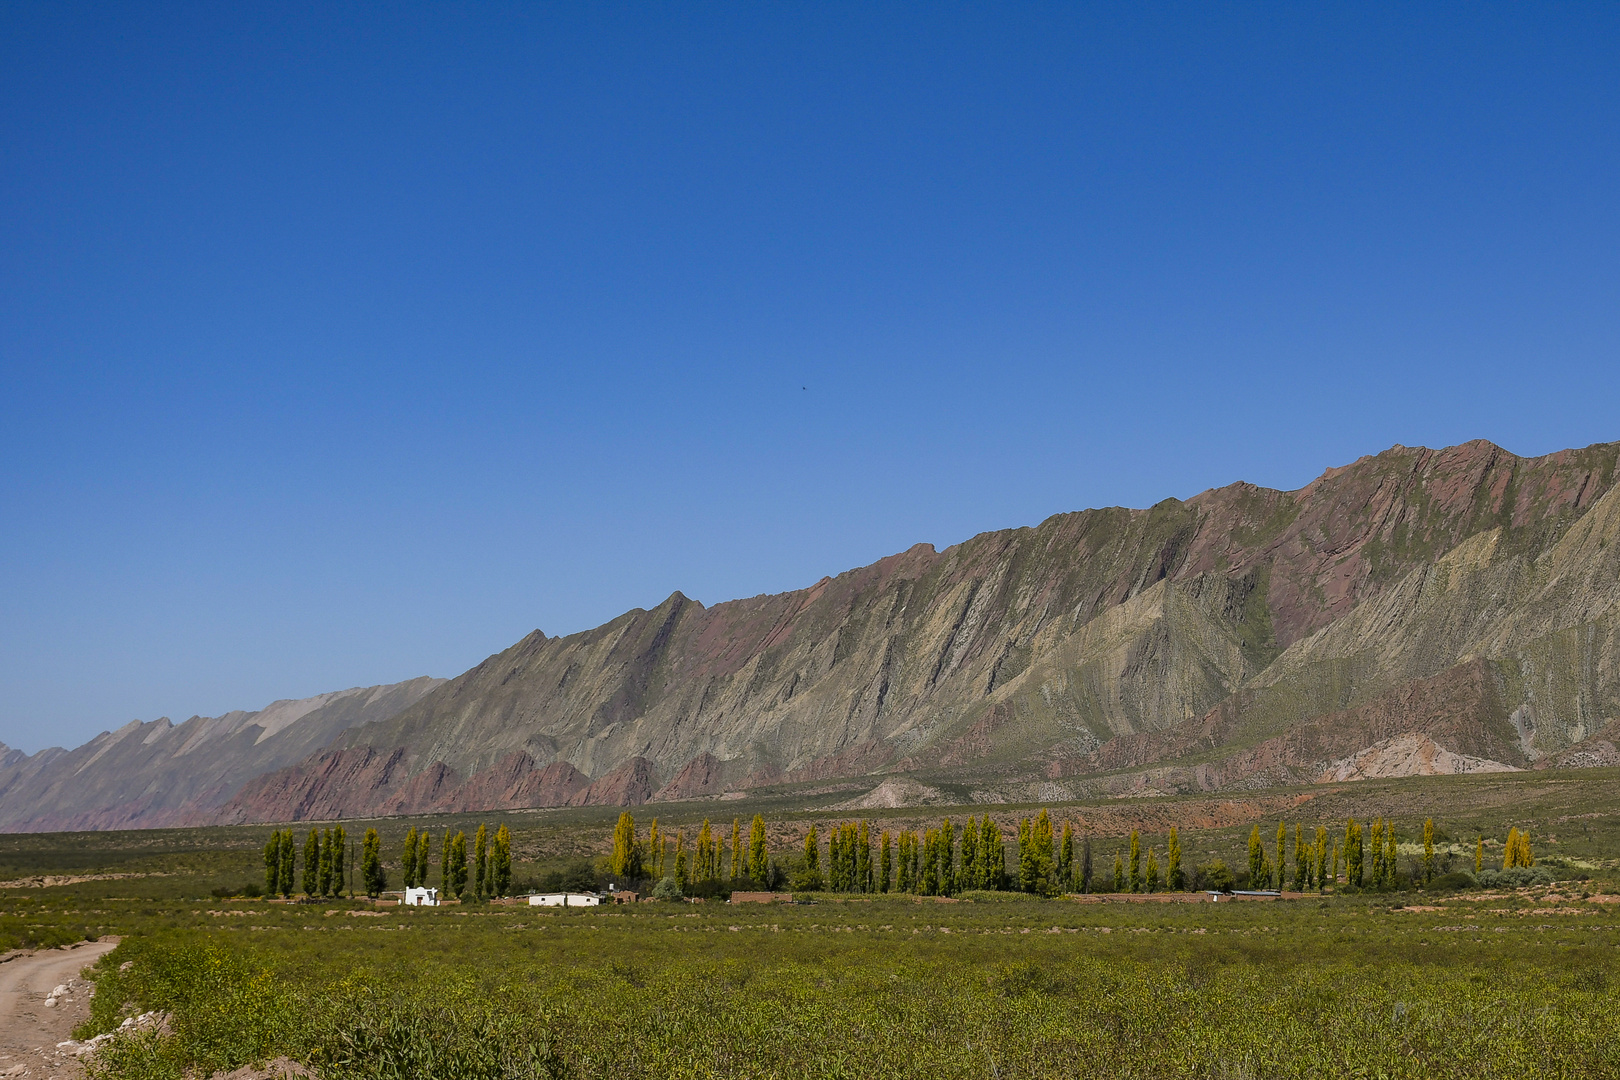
{"x": 342, "y": 344}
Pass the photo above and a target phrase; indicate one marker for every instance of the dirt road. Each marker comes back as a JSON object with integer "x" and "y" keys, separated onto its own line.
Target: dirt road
{"x": 29, "y": 1029}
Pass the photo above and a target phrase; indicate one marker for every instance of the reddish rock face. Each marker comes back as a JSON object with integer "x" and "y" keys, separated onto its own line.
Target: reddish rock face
{"x": 700, "y": 776}
{"x": 631, "y": 784}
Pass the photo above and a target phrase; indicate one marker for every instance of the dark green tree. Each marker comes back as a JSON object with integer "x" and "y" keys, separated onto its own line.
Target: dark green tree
{"x": 1085, "y": 865}
{"x": 340, "y": 841}
{"x": 1065, "y": 859}
{"x": 458, "y": 865}
{"x": 758, "y": 858}
{"x": 312, "y": 863}
{"x": 500, "y": 862}
{"x": 272, "y": 864}
{"x": 288, "y": 858}
{"x": 1175, "y": 879}
{"x": 407, "y": 862}
{"x": 884, "y": 867}
{"x": 371, "y": 868}
{"x": 326, "y": 862}
{"x": 481, "y": 881}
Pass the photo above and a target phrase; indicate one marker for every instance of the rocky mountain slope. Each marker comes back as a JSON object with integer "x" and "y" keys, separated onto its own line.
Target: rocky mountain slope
{"x": 160, "y": 773}
{"x": 1459, "y": 602}
{"x": 1417, "y": 611}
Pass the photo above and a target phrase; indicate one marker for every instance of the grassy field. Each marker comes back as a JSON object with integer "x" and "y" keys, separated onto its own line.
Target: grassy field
{"x": 1396, "y": 984}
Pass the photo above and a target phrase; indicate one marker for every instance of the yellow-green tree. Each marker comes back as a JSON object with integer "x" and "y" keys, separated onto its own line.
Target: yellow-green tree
{"x": 1352, "y": 854}
{"x": 1152, "y": 877}
{"x": 1282, "y": 862}
{"x": 1258, "y": 874}
{"x": 883, "y": 862}
{"x": 1302, "y": 859}
{"x": 1322, "y": 859}
{"x": 757, "y": 854}
{"x": 1479, "y": 855}
{"x": 407, "y": 862}
{"x": 1174, "y": 878}
{"x": 1119, "y": 872}
{"x": 1516, "y": 852}
{"x": 500, "y": 862}
{"x": 736, "y": 849}
{"x": 1136, "y": 861}
{"x": 626, "y": 862}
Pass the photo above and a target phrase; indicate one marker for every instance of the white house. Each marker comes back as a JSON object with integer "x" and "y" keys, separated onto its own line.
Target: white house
{"x": 564, "y": 899}
{"x": 420, "y": 897}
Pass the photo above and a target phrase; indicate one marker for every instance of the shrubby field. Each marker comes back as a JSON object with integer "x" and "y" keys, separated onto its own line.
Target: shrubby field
{"x": 1504, "y": 974}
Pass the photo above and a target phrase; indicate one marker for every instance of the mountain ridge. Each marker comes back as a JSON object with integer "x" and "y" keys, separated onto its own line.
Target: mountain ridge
{"x": 1414, "y": 609}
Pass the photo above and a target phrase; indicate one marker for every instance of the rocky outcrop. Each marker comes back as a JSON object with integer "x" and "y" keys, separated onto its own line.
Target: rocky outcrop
{"x": 631, "y": 784}
{"x": 1407, "y": 755}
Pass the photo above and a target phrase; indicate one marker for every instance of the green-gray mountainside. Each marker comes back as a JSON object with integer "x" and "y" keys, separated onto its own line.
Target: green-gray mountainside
{"x": 1417, "y": 611}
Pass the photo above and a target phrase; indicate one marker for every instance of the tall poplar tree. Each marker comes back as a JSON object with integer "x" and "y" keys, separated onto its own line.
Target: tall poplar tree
{"x": 1136, "y": 861}
{"x": 407, "y": 864}
{"x": 447, "y": 874}
{"x": 1479, "y": 855}
{"x": 758, "y": 857}
{"x": 655, "y": 852}
{"x": 272, "y": 864}
{"x": 1392, "y": 857}
{"x": 1352, "y": 854}
{"x": 458, "y": 865}
{"x": 1041, "y": 842}
{"x": 340, "y": 846}
{"x": 883, "y": 862}
{"x": 1065, "y": 858}
{"x": 992, "y": 854}
{"x": 1119, "y": 872}
{"x": 972, "y": 865}
{"x": 1282, "y": 853}
{"x": 326, "y": 862}
{"x": 1322, "y": 858}
{"x": 737, "y": 857}
{"x": 312, "y": 863}
{"x": 1151, "y": 879}
{"x": 1174, "y": 879}
{"x": 1302, "y": 859}
{"x": 288, "y": 858}
{"x": 480, "y": 862}
{"x": 1257, "y": 859}
{"x": 500, "y": 861}
{"x": 424, "y": 844}
{"x": 1428, "y": 850}
{"x": 1085, "y": 865}
{"x": 1026, "y": 857}
{"x": 371, "y": 864}
{"x": 947, "y": 858}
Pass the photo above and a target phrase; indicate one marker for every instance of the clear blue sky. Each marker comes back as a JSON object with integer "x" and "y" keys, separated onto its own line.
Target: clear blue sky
{"x": 344, "y": 344}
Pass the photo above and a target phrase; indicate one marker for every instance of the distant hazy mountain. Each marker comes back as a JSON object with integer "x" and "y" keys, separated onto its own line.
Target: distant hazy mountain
{"x": 1418, "y": 611}
{"x": 155, "y": 774}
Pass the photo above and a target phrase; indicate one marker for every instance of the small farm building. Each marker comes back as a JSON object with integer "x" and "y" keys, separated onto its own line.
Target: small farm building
{"x": 564, "y": 899}
{"x": 419, "y": 897}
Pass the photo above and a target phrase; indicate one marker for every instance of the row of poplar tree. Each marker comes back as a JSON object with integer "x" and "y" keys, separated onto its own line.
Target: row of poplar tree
{"x": 491, "y": 871}
{"x": 939, "y": 861}
{"x": 325, "y": 859}
{"x": 1368, "y": 856}
{"x": 950, "y": 859}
